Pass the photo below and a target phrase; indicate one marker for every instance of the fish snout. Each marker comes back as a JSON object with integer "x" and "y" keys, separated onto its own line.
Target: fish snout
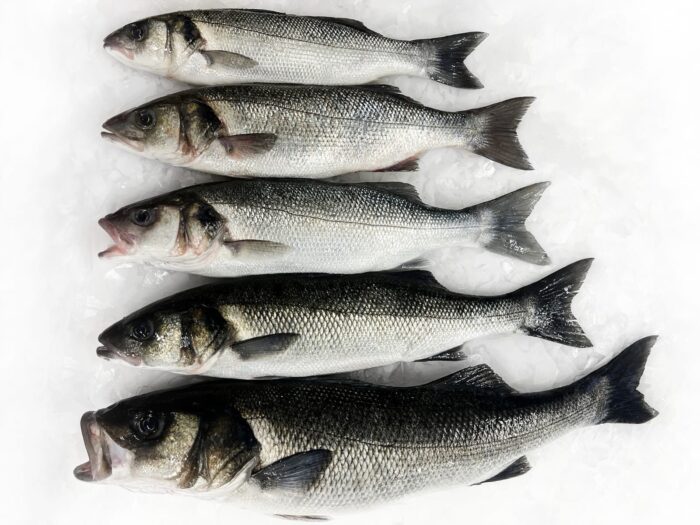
{"x": 115, "y": 44}
{"x": 124, "y": 242}
{"x": 112, "y": 352}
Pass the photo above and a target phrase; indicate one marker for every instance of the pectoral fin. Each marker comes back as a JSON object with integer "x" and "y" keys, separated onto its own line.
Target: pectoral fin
{"x": 294, "y": 473}
{"x": 260, "y": 347}
{"x": 228, "y": 60}
{"x": 240, "y": 146}
{"x": 255, "y": 248}
{"x": 519, "y": 467}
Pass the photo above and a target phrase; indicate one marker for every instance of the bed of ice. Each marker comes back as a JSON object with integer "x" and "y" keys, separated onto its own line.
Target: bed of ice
{"x": 614, "y": 129}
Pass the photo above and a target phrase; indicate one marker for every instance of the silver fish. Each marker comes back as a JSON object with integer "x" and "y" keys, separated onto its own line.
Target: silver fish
{"x": 310, "y": 448}
{"x": 228, "y": 46}
{"x": 310, "y": 131}
{"x": 302, "y": 325}
{"x": 257, "y": 226}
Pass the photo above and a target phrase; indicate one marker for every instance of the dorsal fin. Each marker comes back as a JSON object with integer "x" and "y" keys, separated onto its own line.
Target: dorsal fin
{"x": 417, "y": 276}
{"x": 402, "y": 189}
{"x": 348, "y": 22}
{"x": 480, "y": 377}
{"x": 264, "y": 11}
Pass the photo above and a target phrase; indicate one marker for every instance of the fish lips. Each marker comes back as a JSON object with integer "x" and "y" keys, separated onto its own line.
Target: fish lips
{"x": 124, "y": 242}
{"x": 118, "y": 132}
{"x": 111, "y": 352}
{"x": 98, "y": 466}
{"x": 115, "y": 45}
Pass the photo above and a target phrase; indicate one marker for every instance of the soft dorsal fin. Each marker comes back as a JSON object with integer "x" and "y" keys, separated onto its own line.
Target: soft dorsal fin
{"x": 402, "y": 189}
{"x": 480, "y": 377}
{"x": 348, "y": 22}
{"x": 418, "y": 277}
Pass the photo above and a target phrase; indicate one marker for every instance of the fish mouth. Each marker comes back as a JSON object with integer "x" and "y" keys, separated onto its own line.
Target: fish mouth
{"x": 111, "y": 353}
{"x": 114, "y": 45}
{"x": 120, "y": 140}
{"x": 123, "y": 242}
{"x": 99, "y": 465}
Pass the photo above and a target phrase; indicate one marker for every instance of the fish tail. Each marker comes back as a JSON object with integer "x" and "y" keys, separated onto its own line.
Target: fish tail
{"x": 502, "y": 222}
{"x": 618, "y": 381}
{"x": 548, "y": 306}
{"x": 446, "y": 59}
{"x": 496, "y": 136}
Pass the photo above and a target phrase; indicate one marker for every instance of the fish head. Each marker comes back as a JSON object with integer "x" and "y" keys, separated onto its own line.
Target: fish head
{"x": 173, "y": 129}
{"x": 177, "y": 229}
{"x": 143, "y": 44}
{"x": 173, "y": 334}
{"x": 159, "y": 44}
{"x": 167, "y": 441}
{"x": 153, "y": 130}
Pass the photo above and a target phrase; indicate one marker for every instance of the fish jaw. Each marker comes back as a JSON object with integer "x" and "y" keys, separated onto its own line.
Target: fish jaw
{"x": 124, "y": 243}
{"x": 117, "y": 132}
{"x": 114, "y": 45}
{"x": 110, "y": 352}
{"x": 98, "y": 467}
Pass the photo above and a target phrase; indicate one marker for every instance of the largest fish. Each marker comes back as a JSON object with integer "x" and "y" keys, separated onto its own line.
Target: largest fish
{"x": 227, "y": 46}
{"x": 303, "y": 325}
{"x": 310, "y": 131}
{"x": 310, "y": 448}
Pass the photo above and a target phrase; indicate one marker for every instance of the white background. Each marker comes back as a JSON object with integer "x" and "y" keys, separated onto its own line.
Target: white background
{"x": 614, "y": 128}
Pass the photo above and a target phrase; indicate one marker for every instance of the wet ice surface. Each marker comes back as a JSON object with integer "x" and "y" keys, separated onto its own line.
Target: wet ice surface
{"x": 611, "y": 129}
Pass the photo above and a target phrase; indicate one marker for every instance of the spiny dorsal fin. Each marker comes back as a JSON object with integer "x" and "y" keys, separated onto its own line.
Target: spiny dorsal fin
{"x": 402, "y": 189}
{"x": 519, "y": 467}
{"x": 480, "y": 377}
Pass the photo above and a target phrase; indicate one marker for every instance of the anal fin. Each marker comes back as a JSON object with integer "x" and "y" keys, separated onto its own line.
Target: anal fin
{"x": 410, "y": 164}
{"x": 519, "y": 467}
{"x": 453, "y": 354}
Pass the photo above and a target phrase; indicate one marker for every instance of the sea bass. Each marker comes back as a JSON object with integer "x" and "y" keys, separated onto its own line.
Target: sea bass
{"x": 300, "y": 325}
{"x": 309, "y": 448}
{"x": 259, "y": 226}
{"x": 228, "y": 46}
{"x": 310, "y": 131}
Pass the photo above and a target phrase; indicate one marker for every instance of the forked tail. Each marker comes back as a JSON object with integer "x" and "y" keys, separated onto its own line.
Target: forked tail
{"x": 502, "y": 222}
{"x": 548, "y": 306}
{"x": 446, "y": 59}
{"x": 496, "y": 137}
{"x": 617, "y": 382}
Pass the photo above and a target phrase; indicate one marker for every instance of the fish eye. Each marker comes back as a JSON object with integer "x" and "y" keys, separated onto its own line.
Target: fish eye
{"x": 137, "y": 32}
{"x": 142, "y": 329}
{"x": 145, "y": 119}
{"x": 143, "y": 216}
{"x": 148, "y": 425}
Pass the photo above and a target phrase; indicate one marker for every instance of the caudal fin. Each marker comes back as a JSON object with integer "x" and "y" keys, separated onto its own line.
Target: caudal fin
{"x": 446, "y": 59}
{"x": 503, "y": 224}
{"x": 496, "y": 127}
{"x": 548, "y": 306}
{"x": 618, "y": 381}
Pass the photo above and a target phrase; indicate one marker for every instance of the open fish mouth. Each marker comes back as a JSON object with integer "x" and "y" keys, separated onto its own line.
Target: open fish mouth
{"x": 98, "y": 466}
{"x": 123, "y": 242}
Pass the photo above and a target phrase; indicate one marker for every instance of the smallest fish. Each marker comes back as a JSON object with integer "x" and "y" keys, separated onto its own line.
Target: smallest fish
{"x": 229, "y": 46}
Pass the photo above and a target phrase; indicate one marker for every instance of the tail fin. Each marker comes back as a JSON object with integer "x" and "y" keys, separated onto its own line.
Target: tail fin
{"x": 446, "y": 59}
{"x": 503, "y": 224}
{"x": 496, "y": 127}
{"x": 548, "y": 305}
{"x": 620, "y": 379}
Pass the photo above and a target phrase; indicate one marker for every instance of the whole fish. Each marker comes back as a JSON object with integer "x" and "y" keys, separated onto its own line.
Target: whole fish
{"x": 309, "y": 448}
{"x": 303, "y": 325}
{"x": 256, "y": 226}
{"x": 310, "y": 131}
{"x": 228, "y": 46}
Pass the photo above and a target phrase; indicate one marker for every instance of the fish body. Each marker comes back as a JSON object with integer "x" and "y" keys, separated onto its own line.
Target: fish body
{"x": 304, "y": 325}
{"x": 310, "y": 131}
{"x": 316, "y": 447}
{"x": 255, "y": 226}
{"x": 227, "y": 46}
